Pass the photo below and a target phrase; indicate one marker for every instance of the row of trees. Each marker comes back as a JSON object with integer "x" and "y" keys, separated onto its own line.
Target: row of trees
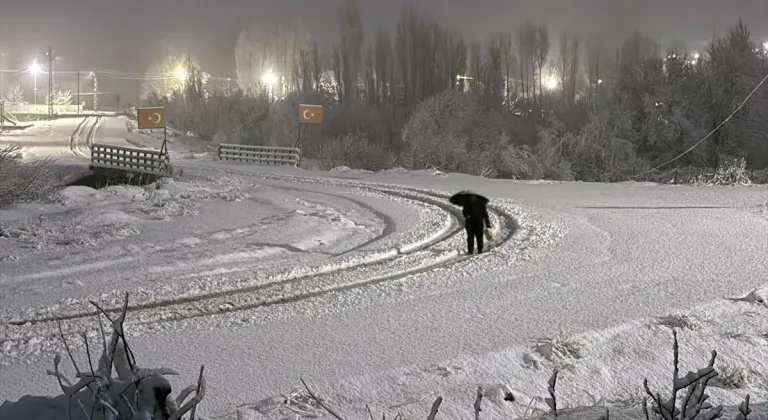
{"x": 523, "y": 104}
{"x": 14, "y": 95}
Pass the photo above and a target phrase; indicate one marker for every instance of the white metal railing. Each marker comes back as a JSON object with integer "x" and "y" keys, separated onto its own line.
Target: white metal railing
{"x": 128, "y": 159}
{"x": 265, "y": 155}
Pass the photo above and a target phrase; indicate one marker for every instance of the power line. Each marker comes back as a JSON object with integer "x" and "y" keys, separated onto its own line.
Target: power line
{"x": 741, "y": 105}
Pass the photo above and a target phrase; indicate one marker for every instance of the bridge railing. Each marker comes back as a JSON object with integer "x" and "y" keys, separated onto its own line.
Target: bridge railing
{"x": 127, "y": 159}
{"x": 264, "y": 155}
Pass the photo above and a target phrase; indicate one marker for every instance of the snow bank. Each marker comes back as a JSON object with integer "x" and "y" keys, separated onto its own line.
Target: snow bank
{"x": 596, "y": 368}
{"x": 392, "y": 171}
{"x": 402, "y": 171}
{"x": 80, "y": 227}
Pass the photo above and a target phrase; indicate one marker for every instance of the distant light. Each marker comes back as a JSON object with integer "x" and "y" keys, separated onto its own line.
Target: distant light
{"x": 180, "y": 75}
{"x": 551, "y": 83}
{"x": 35, "y": 68}
{"x": 696, "y": 56}
{"x": 269, "y": 78}
{"x": 765, "y": 45}
{"x": 599, "y": 81}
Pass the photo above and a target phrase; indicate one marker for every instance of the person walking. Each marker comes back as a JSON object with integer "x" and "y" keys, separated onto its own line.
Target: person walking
{"x": 476, "y": 218}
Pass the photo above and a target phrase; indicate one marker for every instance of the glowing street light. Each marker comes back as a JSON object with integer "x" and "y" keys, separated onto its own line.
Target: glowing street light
{"x": 269, "y": 78}
{"x": 550, "y": 83}
{"x": 765, "y": 46}
{"x": 35, "y": 69}
{"x": 695, "y": 58}
{"x": 180, "y": 75}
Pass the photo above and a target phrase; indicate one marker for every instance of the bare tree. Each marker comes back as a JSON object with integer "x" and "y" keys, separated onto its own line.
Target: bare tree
{"x": 428, "y": 57}
{"x": 269, "y": 56}
{"x": 347, "y": 54}
{"x": 568, "y": 68}
{"x": 307, "y": 69}
{"x": 543, "y": 47}
{"x": 574, "y": 68}
{"x": 523, "y": 54}
{"x": 564, "y": 69}
{"x": 371, "y": 92}
{"x": 384, "y": 64}
{"x": 527, "y": 50}
{"x": 509, "y": 63}
{"x": 493, "y": 72}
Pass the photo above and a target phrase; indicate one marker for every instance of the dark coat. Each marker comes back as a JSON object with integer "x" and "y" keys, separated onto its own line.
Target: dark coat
{"x": 476, "y": 216}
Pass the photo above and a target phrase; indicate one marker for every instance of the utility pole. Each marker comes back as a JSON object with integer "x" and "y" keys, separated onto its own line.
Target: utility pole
{"x": 50, "y": 83}
{"x": 78, "y": 92}
{"x": 95, "y": 92}
{"x": 2, "y": 75}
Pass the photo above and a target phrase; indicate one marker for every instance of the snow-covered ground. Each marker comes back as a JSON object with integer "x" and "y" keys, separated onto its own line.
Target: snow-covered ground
{"x": 56, "y": 139}
{"x": 355, "y": 282}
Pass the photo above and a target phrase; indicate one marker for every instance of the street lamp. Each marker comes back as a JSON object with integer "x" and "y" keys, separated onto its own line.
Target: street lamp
{"x": 550, "y": 83}
{"x": 180, "y": 75}
{"x": 269, "y": 78}
{"x": 35, "y": 69}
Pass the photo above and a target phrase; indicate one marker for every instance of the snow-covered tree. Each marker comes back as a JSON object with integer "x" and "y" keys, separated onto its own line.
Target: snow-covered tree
{"x": 14, "y": 95}
{"x": 61, "y": 97}
{"x": 734, "y": 68}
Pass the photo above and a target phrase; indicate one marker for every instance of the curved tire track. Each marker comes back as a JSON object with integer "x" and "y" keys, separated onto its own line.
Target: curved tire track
{"x": 74, "y": 138}
{"x": 309, "y": 285}
{"x": 382, "y": 258}
{"x": 88, "y": 127}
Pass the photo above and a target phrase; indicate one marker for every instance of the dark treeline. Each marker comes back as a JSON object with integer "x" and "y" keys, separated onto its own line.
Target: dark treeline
{"x": 521, "y": 104}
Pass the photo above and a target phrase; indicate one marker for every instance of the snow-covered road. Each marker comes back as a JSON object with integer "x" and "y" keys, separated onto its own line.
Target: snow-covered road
{"x": 60, "y": 138}
{"x": 585, "y": 257}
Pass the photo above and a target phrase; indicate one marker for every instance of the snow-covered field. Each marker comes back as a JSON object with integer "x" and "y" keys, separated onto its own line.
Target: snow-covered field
{"x": 357, "y": 282}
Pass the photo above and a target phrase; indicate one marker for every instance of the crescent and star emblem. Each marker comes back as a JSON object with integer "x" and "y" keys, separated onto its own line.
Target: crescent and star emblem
{"x": 157, "y": 118}
{"x": 307, "y": 115}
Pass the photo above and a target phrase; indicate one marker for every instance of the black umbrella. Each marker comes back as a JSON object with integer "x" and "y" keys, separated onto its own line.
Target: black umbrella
{"x": 464, "y": 198}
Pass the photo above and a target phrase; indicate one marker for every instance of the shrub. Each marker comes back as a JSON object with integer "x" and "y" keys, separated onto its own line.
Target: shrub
{"x": 355, "y": 151}
{"x": 603, "y": 150}
{"x": 134, "y": 393}
{"x": 453, "y": 132}
{"x": 21, "y": 181}
{"x": 731, "y": 172}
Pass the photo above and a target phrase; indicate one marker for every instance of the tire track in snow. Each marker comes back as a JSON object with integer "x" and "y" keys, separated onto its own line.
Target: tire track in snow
{"x": 390, "y": 226}
{"x": 75, "y": 136}
{"x": 88, "y": 127}
{"x": 401, "y": 252}
{"x": 439, "y": 251}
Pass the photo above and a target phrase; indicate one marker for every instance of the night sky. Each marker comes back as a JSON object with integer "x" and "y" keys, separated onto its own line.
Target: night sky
{"x": 128, "y": 34}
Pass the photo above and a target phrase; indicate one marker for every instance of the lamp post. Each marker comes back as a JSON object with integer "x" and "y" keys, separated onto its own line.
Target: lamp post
{"x": 35, "y": 69}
